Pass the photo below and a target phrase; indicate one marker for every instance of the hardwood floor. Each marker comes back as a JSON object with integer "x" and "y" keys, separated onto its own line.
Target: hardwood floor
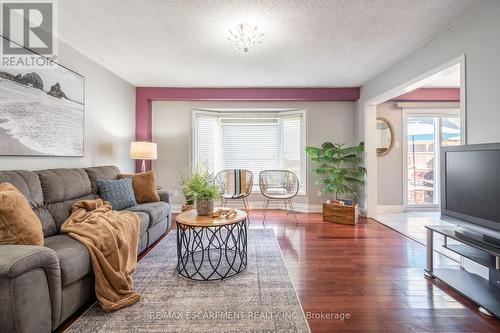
{"x": 372, "y": 273}
{"x": 369, "y": 272}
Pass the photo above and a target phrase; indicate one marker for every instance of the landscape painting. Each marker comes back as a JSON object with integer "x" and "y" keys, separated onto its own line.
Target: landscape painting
{"x": 41, "y": 111}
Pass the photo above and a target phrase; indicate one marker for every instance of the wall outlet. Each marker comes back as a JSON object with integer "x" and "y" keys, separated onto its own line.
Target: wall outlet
{"x": 319, "y": 194}
{"x": 176, "y": 193}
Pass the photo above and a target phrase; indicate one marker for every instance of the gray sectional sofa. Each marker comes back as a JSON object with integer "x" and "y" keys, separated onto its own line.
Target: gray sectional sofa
{"x": 41, "y": 286}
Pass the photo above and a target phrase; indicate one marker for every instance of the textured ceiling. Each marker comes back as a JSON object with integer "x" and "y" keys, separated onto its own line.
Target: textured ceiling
{"x": 334, "y": 43}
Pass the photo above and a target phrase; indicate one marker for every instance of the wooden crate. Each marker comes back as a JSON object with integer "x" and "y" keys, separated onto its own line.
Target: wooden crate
{"x": 333, "y": 212}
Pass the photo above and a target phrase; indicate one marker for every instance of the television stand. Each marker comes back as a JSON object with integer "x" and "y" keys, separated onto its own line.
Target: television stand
{"x": 485, "y": 293}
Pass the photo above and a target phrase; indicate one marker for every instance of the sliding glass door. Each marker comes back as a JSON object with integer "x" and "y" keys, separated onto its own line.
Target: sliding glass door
{"x": 425, "y": 134}
{"x": 421, "y": 159}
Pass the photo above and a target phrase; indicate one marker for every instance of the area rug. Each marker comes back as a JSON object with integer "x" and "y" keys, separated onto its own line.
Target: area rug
{"x": 260, "y": 299}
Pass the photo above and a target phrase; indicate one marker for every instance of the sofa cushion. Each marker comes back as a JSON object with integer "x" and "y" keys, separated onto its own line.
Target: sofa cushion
{"x": 143, "y": 222}
{"x": 156, "y": 211}
{"x": 103, "y": 172}
{"x": 60, "y": 211}
{"x": 64, "y": 184}
{"x": 74, "y": 258}
{"x": 118, "y": 193}
{"x": 28, "y": 183}
{"x": 143, "y": 242}
{"x": 76, "y": 294}
{"x": 49, "y": 226}
{"x": 156, "y": 231}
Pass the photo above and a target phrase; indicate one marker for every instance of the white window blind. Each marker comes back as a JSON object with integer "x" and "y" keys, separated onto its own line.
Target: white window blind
{"x": 292, "y": 137}
{"x": 207, "y": 141}
{"x": 250, "y": 140}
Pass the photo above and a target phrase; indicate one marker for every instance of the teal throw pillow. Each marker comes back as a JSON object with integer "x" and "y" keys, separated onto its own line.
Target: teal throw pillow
{"x": 119, "y": 193}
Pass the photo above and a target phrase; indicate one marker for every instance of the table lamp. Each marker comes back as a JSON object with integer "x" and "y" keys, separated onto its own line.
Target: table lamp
{"x": 142, "y": 150}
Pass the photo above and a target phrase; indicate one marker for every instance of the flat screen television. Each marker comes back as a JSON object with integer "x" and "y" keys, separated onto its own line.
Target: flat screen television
{"x": 470, "y": 184}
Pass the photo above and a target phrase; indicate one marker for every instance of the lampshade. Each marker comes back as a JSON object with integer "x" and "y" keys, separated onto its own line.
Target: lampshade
{"x": 141, "y": 150}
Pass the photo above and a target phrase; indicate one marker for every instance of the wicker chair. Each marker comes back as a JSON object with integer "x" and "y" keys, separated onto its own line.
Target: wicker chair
{"x": 235, "y": 184}
{"x": 280, "y": 185}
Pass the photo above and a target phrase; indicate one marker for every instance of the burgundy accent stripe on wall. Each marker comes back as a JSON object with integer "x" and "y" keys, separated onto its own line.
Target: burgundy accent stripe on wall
{"x": 146, "y": 95}
{"x": 430, "y": 94}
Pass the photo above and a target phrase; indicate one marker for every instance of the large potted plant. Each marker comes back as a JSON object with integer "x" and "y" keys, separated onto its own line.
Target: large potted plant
{"x": 199, "y": 188}
{"x": 339, "y": 170}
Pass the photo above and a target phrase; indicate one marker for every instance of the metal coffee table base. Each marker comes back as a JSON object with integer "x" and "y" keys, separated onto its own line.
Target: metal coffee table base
{"x": 211, "y": 253}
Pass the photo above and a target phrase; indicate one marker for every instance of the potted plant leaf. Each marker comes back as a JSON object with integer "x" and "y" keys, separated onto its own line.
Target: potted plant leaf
{"x": 199, "y": 188}
{"x": 189, "y": 203}
{"x": 339, "y": 170}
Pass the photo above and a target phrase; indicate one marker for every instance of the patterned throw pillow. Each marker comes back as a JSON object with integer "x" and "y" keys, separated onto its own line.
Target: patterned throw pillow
{"x": 118, "y": 193}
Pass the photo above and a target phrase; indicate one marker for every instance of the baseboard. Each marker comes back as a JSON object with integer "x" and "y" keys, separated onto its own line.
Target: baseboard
{"x": 390, "y": 209}
{"x": 299, "y": 207}
{"x": 423, "y": 209}
{"x": 315, "y": 208}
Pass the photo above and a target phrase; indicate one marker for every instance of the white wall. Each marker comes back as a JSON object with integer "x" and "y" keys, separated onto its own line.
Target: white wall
{"x": 109, "y": 119}
{"x": 477, "y": 37}
{"x": 326, "y": 121}
{"x": 390, "y": 167}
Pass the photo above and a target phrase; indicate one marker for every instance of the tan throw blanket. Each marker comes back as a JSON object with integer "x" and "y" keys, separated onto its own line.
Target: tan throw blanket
{"x": 111, "y": 238}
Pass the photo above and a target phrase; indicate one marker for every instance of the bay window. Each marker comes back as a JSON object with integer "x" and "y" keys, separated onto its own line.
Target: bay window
{"x": 250, "y": 139}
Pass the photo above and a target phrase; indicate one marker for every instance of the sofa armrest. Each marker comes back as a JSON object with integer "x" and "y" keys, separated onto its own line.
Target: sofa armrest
{"x": 30, "y": 288}
{"x": 166, "y": 196}
{"x": 18, "y": 259}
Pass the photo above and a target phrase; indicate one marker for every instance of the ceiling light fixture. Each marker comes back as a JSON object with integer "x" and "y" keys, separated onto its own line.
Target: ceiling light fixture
{"x": 245, "y": 37}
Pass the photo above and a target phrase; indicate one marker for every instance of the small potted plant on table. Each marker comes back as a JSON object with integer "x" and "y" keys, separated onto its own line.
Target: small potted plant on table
{"x": 339, "y": 172}
{"x": 199, "y": 188}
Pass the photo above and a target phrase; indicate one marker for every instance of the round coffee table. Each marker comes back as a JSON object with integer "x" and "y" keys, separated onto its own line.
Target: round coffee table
{"x": 211, "y": 248}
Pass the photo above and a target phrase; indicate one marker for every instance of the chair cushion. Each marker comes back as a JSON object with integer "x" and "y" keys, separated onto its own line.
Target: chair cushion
{"x": 74, "y": 258}
{"x": 237, "y": 183}
{"x": 144, "y": 185}
{"x": 279, "y": 196}
{"x": 118, "y": 193}
{"x": 278, "y": 193}
{"x": 156, "y": 211}
{"x": 233, "y": 196}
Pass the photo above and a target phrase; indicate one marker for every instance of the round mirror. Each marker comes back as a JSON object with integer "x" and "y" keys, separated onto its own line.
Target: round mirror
{"x": 385, "y": 136}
